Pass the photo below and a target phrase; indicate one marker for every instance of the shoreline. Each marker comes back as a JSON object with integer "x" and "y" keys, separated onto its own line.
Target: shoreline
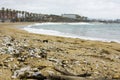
{"x": 60, "y": 34}
{"x": 55, "y": 57}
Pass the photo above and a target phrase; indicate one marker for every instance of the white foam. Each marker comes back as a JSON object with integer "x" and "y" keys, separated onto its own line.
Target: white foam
{"x": 48, "y": 32}
{"x": 52, "y": 23}
{"x": 47, "y": 23}
{"x": 81, "y": 23}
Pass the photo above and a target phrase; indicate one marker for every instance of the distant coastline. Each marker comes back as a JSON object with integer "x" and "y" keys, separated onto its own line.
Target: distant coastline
{"x": 9, "y": 15}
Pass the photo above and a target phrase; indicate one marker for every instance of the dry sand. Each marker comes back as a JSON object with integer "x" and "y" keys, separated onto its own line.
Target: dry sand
{"x": 24, "y": 55}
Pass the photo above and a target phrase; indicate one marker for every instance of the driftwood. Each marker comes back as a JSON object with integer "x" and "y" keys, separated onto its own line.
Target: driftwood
{"x": 66, "y": 75}
{"x": 64, "y": 71}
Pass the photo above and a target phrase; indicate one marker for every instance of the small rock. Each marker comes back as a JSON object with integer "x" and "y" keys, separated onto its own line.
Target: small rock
{"x": 64, "y": 62}
{"x": 1, "y": 64}
{"x": 35, "y": 69}
{"x": 20, "y": 72}
{"x": 43, "y": 53}
{"x": 16, "y": 54}
{"x": 9, "y": 44}
{"x": 116, "y": 76}
{"x": 54, "y": 60}
{"x": 41, "y": 67}
{"x": 45, "y": 41}
{"x": 36, "y": 74}
{"x": 85, "y": 74}
{"x": 21, "y": 59}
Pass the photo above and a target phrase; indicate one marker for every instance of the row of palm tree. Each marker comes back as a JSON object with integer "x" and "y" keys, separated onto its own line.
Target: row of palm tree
{"x": 19, "y": 16}
{"x": 10, "y": 15}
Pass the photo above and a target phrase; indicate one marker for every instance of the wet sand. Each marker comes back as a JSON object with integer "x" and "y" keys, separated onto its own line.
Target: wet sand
{"x": 26, "y": 55}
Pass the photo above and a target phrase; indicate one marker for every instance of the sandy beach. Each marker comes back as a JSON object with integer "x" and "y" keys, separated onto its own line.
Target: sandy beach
{"x": 28, "y": 56}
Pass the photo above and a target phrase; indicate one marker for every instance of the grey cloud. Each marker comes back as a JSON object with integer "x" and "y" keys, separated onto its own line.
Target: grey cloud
{"x": 90, "y": 8}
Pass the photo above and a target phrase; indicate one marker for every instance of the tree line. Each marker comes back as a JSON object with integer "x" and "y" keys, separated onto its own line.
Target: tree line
{"x": 10, "y": 15}
{"x": 19, "y": 16}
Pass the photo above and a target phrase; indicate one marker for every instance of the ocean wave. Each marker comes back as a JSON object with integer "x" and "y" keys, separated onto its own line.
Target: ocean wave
{"x": 47, "y": 23}
{"x": 57, "y": 33}
{"x": 43, "y": 31}
{"x": 80, "y": 23}
{"x": 51, "y": 23}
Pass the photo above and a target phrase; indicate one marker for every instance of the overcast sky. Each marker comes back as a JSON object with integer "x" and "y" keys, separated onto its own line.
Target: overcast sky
{"x": 105, "y": 9}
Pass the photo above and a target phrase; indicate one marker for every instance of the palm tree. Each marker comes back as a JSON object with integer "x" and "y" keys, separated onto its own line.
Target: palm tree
{"x": 19, "y": 16}
{"x": 23, "y": 16}
{"x": 0, "y": 14}
{"x": 3, "y": 14}
{"x": 16, "y": 18}
{"x": 37, "y": 17}
{"x": 13, "y": 15}
{"x": 33, "y": 17}
{"x": 30, "y": 17}
{"x": 26, "y": 16}
{"x": 7, "y": 13}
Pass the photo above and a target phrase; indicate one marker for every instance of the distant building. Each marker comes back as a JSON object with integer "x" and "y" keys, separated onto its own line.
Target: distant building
{"x": 73, "y": 16}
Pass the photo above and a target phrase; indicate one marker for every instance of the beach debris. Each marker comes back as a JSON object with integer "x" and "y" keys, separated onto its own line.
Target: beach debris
{"x": 45, "y": 41}
{"x": 16, "y": 54}
{"x": 43, "y": 53}
{"x": 86, "y": 74}
{"x": 21, "y": 59}
{"x": 105, "y": 51}
{"x": 28, "y": 73}
{"x": 64, "y": 71}
{"x": 41, "y": 67}
{"x": 66, "y": 77}
{"x": 116, "y": 76}
{"x": 54, "y": 60}
{"x": 36, "y": 75}
{"x": 9, "y": 44}
{"x": 64, "y": 63}
{"x": 20, "y": 72}
{"x": 1, "y": 64}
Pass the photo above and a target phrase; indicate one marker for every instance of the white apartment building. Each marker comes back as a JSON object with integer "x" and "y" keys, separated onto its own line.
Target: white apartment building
{"x": 73, "y": 16}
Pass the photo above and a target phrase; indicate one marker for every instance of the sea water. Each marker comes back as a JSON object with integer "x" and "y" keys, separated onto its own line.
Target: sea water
{"x": 89, "y": 31}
